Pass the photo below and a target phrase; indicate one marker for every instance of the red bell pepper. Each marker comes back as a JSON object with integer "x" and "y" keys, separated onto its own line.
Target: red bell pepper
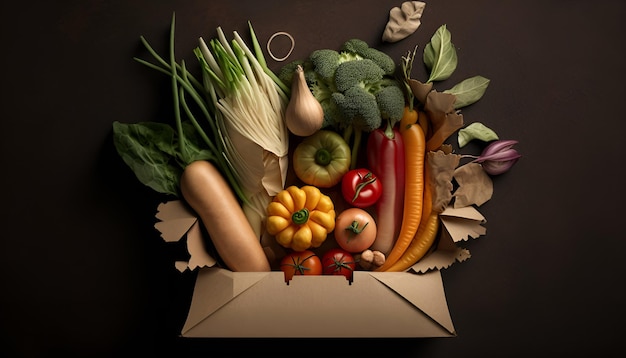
{"x": 385, "y": 158}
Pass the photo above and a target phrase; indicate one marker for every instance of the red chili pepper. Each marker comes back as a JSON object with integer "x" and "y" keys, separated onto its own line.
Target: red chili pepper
{"x": 385, "y": 158}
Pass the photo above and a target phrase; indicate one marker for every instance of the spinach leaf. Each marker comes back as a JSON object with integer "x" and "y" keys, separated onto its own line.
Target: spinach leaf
{"x": 192, "y": 145}
{"x": 468, "y": 91}
{"x": 440, "y": 55}
{"x": 149, "y": 149}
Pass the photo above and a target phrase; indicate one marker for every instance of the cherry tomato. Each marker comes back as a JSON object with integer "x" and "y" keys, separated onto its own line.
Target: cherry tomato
{"x": 355, "y": 230}
{"x": 300, "y": 263}
{"x": 338, "y": 262}
{"x": 361, "y": 188}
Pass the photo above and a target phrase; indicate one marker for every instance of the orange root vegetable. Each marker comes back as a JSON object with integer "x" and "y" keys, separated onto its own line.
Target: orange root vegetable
{"x": 415, "y": 151}
{"x": 423, "y": 241}
{"x": 209, "y": 195}
{"x": 426, "y": 232}
{"x": 423, "y": 121}
{"x": 410, "y": 116}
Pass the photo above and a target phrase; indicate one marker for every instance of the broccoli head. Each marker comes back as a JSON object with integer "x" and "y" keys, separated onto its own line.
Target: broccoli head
{"x": 359, "y": 108}
{"x": 362, "y": 49}
{"x": 364, "y": 73}
{"x": 355, "y": 86}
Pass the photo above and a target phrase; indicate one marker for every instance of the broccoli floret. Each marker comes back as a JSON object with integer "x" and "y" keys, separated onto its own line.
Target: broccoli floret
{"x": 332, "y": 114}
{"x": 286, "y": 72}
{"x": 359, "y": 108}
{"x": 364, "y": 73}
{"x": 325, "y": 62}
{"x": 391, "y": 103}
{"x": 362, "y": 49}
{"x": 360, "y": 112}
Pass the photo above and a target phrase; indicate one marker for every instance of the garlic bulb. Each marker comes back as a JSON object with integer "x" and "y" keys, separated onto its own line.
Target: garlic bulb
{"x": 304, "y": 114}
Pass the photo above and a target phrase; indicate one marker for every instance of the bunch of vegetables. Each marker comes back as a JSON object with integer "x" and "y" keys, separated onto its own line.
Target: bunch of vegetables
{"x": 397, "y": 184}
{"x": 355, "y": 86}
{"x": 227, "y": 154}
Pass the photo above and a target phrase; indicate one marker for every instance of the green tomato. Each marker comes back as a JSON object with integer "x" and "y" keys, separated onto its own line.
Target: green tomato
{"x": 322, "y": 159}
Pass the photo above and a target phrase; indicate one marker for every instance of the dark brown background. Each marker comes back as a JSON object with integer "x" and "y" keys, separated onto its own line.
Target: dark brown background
{"x": 84, "y": 273}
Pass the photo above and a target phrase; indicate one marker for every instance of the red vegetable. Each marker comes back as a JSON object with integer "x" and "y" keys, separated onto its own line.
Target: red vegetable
{"x": 338, "y": 262}
{"x": 300, "y": 263}
{"x": 361, "y": 188}
{"x": 355, "y": 230}
{"x": 385, "y": 157}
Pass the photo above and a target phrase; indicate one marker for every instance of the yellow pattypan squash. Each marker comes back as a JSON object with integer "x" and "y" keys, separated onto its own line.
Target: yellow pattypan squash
{"x": 300, "y": 218}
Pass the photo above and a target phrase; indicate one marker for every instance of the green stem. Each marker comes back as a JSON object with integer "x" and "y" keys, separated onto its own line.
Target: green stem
{"x": 389, "y": 130}
{"x": 217, "y": 150}
{"x": 355, "y": 147}
{"x": 407, "y": 67}
{"x": 186, "y": 83}
{"x": 258, "y": 52}
{"x": 354, "y": 228}
{"x": 366, "y": 180}
{"x": 298, "y": 265}
{"x": 195, "y": 123}
{"x": 165, "y": 66}
{"x": 347, "y": 133}
{"x": 323, "y": 157}
{"x": 179, "y": 125}
{"x": 300, "y": 217}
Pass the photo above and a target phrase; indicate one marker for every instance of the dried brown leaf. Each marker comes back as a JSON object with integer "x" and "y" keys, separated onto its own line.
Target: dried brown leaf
{"x": 441, "y": 167}
{"x": 444, "y": 119}
{"x": 475, "y": 186}
{"x": 403, "y": 21}
{"x": 420, "y": 90}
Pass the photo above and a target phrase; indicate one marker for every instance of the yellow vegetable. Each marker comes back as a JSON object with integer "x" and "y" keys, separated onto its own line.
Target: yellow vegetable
{"x": 322, "y": 159}
{"x": 300, "y": 218}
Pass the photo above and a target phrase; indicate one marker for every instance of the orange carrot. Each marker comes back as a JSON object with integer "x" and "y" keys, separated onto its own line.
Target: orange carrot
{"x": 415, "y": 150}
{"x": 424, "y": 239}
{"x": 409, "y": 116}
{"x": 425, "y": 123}
{"x": 426, "y": 232}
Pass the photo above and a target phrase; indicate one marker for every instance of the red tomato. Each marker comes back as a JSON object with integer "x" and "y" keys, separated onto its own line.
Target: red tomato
{"x": 361, "y": 188}
{"x": 355, "y": 230}
{"x": 338, "y": 262}
{"x": 300, "y": 263}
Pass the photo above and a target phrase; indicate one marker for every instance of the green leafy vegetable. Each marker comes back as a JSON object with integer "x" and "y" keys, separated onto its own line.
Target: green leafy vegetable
{"x": 440, "y": 55}
{"x": 478, "y": 131}
{"x": 150, "y": 149}
{"x": 469, "y": 91}
{"x": 158, "y": 153}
